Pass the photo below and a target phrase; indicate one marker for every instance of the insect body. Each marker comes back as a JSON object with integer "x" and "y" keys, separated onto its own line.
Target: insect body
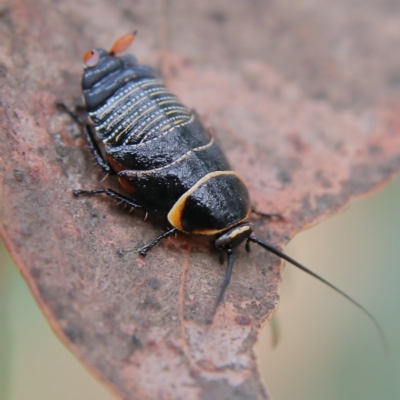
{"x": 162, "y": 153}
{"x": 164, "y": 157}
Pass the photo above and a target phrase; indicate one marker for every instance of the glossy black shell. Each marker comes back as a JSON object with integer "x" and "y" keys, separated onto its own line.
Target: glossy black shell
{"x": 163, "y": 155}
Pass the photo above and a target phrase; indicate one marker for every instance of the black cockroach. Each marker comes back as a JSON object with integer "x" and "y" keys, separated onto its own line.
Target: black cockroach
{"x": 164, "y": 158}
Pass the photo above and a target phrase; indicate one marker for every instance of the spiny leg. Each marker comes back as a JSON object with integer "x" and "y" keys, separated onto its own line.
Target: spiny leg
{"x": 267, "y": 215}
{"x": 143, "y": 251}
{"x": 89, "y": 136}
{"x": 128, "y": 202}
{"x": 109, "y": 192}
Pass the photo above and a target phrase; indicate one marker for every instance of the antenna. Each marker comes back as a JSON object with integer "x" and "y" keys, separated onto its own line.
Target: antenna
{"x": 292, "y": 261}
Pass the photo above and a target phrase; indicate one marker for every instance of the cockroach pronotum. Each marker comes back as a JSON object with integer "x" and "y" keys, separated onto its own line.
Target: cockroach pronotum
{"x": 165, "y": 159}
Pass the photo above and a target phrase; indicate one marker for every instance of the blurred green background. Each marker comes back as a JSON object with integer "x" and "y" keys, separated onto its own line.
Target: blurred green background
{"x": 327, "y": 350}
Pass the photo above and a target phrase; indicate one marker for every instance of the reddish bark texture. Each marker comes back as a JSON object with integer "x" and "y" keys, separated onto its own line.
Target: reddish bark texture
{"x": 305, "y": 99}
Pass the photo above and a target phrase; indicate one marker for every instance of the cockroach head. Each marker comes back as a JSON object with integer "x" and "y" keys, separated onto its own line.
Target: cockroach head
{"x": 234, "y": 236}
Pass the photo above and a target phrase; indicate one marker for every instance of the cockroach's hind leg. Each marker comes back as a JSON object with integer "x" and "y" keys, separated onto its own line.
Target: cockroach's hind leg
{"x": 89, "y": 134}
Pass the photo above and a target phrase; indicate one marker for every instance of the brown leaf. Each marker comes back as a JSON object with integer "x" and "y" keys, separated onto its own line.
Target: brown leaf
{"x": 306, "y": 103}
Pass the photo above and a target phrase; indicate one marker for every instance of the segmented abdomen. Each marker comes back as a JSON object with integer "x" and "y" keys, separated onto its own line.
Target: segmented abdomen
{"x": 159, "y": 149}
{"x": 139, "y": 111}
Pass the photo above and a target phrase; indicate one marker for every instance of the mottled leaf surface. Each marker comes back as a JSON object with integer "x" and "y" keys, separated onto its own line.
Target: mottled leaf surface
{"x": 305, "y": 99}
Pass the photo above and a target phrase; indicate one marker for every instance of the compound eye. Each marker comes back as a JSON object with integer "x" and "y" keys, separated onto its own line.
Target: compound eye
{"x": 91, "y": 58}
{"x": 123, "y": 43}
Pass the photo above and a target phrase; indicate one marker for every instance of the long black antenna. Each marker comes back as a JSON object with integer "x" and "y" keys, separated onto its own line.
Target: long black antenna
{"x": 225, "y": 283}
{"x": 280, "y": 254}
{"x": 227, "y": 279}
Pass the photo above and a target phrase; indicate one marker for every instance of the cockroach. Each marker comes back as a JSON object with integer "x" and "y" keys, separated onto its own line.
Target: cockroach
{"x": 165, "y": 158}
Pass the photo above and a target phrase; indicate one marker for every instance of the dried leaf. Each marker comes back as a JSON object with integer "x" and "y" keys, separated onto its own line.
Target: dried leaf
{"x": 306, "y": 103}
